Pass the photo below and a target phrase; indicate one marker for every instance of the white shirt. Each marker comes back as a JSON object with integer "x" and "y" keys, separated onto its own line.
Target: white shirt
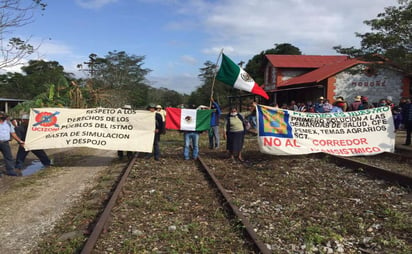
{"x": 5, "y": 129}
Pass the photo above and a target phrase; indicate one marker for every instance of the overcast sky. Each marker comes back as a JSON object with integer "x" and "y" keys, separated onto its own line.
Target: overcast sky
{"x": 178, "y": 36}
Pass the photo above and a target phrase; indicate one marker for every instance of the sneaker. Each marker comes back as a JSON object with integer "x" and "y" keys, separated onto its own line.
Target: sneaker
{"x": 12, "y": 173}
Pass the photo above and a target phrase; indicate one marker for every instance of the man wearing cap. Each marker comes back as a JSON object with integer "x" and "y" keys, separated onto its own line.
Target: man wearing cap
{"x": 319, "y": 105}
{"x": 158, "y": 130}
{"x": 161, "y": 111}
{"x": 21, "y": 132}
{"x": 6, "y": 132}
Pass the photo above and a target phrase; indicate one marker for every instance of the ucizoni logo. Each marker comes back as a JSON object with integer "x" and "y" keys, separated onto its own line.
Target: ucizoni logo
{"x": 45, "y": 121}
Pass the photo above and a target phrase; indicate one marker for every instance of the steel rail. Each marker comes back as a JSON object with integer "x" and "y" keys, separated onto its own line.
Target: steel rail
{"x": 235, "y": 210}
{"x": 100, "y": 224}
{"x": 403, "y": 151}
{"x": 377, "y": 172}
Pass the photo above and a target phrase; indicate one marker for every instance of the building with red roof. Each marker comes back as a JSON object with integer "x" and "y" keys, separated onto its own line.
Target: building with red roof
{"x": 307, "y": 77}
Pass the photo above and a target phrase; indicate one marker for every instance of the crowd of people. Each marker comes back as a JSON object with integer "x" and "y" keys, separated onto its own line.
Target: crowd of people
{"x": 402, "y": 111}
{"x": 234, "y": 128}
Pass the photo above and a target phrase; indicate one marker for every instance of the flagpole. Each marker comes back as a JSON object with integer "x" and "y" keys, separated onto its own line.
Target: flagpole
{"x": 214, "y": 78}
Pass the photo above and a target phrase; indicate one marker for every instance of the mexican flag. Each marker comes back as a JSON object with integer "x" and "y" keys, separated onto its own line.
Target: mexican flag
{"x": 188, "y": 119}
{"x": 232, "y": 75}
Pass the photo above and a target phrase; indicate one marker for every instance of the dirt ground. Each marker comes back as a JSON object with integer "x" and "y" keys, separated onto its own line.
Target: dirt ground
{"x": 30, "y": 205}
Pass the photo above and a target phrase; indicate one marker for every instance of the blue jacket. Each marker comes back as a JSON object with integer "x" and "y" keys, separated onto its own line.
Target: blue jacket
{"x": 214, "y": 118}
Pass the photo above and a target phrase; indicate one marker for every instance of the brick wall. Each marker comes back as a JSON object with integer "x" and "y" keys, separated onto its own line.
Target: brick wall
{"x": 385, "y": 83}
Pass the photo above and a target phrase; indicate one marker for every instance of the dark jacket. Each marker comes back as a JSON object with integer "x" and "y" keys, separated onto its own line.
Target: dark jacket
{"x": 159, "y": 123}
{"x": 407, "y": 113}
{"x": 21, "y": 131}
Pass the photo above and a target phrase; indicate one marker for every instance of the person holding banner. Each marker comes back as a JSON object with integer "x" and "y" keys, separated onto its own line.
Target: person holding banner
{"x": 234, "y": 133}
{"x": 21, "y": 132}
{"x": 6, "y": 132}
{"x": 158, "y": 130}
{"x": 128, "y": 153}
{"x": 191, "y": 139}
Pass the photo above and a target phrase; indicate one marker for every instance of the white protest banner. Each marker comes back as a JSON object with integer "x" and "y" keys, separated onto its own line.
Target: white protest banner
{"x": 363, "y": 132}
{"x": 101, "y": 128}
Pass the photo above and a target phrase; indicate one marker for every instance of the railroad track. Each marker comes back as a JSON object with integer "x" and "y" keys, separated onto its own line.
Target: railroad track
{"x": 258, "y": 214}
{"x": 227, "y": 202}
{"x": 385, "y": 166}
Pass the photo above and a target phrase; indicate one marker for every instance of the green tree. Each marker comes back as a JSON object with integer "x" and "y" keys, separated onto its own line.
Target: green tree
{"x": 122, "y": 74}
{"x": 202, "y": 94}
{"x": 256, "y": 66}
{"x": 390, "y": 37}
{"x": 35, "y": 79}
{"x": 14, "y": 14}
{"x": 165, "y": 97}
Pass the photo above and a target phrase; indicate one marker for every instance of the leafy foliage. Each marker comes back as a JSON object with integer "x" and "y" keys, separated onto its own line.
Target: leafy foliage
{"x": 35, "y": 79}
{"x": 165, "y": 97}
{"x": 202, "y": 95}
{"x": 122, "y": 74}
{"x": 390, "y": 38}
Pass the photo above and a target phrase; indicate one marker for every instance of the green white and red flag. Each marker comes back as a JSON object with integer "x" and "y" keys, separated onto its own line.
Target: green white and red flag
{"x": 188, "y": 119}
{"x": 232, "y": 75}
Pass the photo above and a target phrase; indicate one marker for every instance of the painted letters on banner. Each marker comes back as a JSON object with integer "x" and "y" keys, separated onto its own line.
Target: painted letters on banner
{"x": 363, "y": 132}
{"x": 101, "y": 128}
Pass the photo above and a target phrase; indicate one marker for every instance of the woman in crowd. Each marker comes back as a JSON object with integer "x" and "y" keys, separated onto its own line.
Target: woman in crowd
{"x": 234, "y": 133}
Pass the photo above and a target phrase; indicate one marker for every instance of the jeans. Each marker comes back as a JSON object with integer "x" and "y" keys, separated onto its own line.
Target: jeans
{"x": 252, "y": 120}
{"x": 214, "y": 139}
{"x": 191, "y": 138}
{"x": 408, "y": 127}
{"x": 22, "y": 154}
{"x": 7, "y": 156}
{"x": 156, "y": 147}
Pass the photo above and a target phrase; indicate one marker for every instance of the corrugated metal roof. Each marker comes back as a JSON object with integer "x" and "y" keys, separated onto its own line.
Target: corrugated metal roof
{"x": 303, "y": 61}
{"x": 321, "y": 73}
{"x": 6, "y": 99}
